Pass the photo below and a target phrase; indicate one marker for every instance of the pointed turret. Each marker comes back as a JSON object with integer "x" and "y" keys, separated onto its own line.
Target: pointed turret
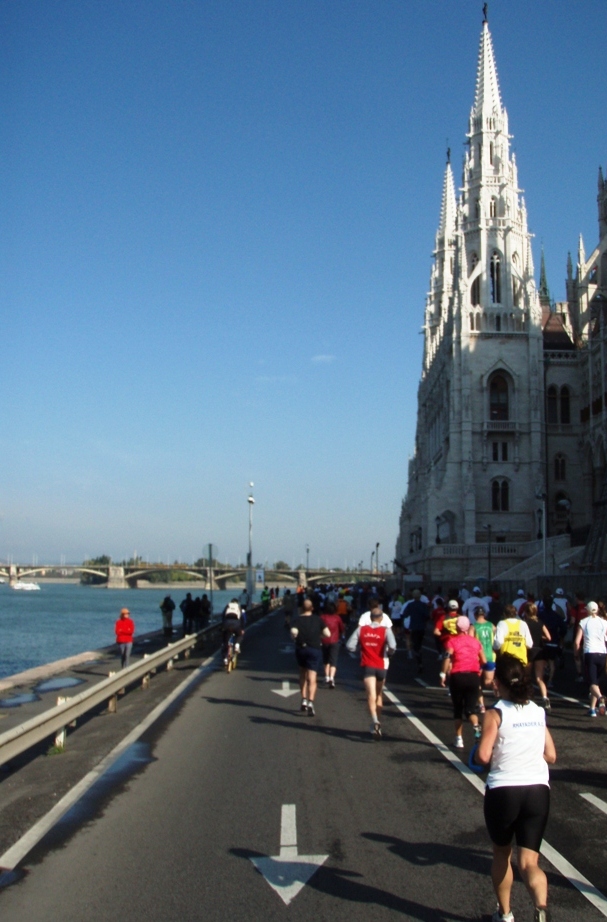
{"x": 581, "y": 257}
{"x": 487, "y": 99}
{"x": 602, "y": 203}
{"x": 544, "y": 291}
{"x": 446, "y": 227}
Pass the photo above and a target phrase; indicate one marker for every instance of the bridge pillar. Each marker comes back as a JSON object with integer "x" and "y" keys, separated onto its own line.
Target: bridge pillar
{"x": 302, "y": 579}
{"x": 12, "y": 574}
{"x": 116, "y": 579}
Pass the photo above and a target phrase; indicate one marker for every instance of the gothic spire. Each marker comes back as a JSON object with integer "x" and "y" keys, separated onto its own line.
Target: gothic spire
{"x": 487, "y": 99}
{"x": 581, "y": 255}
{"x": 448, "y": 209}
{"x": 544, "y": 291}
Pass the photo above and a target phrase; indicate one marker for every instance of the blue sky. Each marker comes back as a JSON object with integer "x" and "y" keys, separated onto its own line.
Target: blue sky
{"x": 215, "y": 242}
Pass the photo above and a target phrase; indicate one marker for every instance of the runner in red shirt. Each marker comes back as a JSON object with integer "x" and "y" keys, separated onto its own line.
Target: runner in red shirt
{"x": 374, "y": 643}
{"x": 330, "y": 644}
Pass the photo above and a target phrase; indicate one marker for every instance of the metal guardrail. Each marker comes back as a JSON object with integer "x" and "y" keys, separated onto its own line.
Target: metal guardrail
{"x": 54, "y": 721}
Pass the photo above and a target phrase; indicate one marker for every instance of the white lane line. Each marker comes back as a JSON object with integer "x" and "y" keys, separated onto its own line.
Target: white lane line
{"x": 17, "y": 852}
{"x": 432, "y": 738}
{"x": 581, "y": 883}
{"x": 554, "y": 694}
{"x": 595, "y": 801}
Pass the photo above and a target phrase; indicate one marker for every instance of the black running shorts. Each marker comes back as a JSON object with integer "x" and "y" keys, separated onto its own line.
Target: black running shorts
{"x": 521, "y": 812}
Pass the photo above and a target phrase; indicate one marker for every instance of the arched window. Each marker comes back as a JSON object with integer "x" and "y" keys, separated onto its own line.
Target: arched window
{"x": 500, "y": 496}
{"x": 491, "y": 154}
{"x": 471, "y": 320}
{"x": 478, "y": 321}
{"x": 498, "y": 323}
{"x": 496, "y": 278}
{"x": 552, "y": 405}
{"x": 475, "y": 293}
{"x": 498, "y": 398}
{"x": 560, "y": 467}
{"x": 565, "y": 406}
{"x": 493, "y": 207}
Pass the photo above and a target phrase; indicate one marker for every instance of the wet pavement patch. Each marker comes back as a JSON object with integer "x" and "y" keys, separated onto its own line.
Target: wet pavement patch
{"x": 57, "y": 684}
{"x": 17, "y": 700}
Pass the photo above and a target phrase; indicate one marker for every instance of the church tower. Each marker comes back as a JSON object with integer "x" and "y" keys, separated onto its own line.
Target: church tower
{"x": 479, "y": 456}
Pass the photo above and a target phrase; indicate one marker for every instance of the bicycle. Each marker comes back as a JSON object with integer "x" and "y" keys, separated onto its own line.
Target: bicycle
{"x": 231, "y": 658}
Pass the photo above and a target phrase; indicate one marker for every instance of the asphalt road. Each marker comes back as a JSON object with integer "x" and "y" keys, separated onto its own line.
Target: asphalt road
{"x": 234, "y": 771}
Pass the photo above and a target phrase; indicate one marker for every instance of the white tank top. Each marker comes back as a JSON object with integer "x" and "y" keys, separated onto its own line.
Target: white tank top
{"x": 518, "y": 754}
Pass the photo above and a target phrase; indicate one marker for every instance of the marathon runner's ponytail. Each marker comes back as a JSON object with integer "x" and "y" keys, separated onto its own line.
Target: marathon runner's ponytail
{"x": 511, "y": 674}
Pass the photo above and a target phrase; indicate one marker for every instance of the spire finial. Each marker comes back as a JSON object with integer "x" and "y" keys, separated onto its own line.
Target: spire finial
{"x": 448, "y": 152}
{"x": 485, "y": 12}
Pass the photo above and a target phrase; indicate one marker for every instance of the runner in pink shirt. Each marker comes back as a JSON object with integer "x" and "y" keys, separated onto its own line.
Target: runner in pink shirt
{"x": 464, "y": 667}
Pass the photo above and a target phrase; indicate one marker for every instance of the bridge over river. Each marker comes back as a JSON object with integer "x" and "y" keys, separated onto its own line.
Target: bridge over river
{"x": 125, "y": 576}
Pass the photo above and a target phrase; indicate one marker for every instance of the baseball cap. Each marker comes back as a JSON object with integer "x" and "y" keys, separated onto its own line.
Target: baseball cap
{"x": 592, "y": 608}
{"x": 463, "y": 623}
{"x": 521, "y": 592}
{"x": 453, "y": 605}
{"x": 476, "y": 589}
{"x": 559, "y": 592}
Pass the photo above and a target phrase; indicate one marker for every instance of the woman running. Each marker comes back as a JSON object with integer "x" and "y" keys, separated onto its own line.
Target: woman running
{"x": 592, "y": 630}
{"x": 464, "y": 666}
{"x": 537, "y": 654}
{"x": 517, "y": 743}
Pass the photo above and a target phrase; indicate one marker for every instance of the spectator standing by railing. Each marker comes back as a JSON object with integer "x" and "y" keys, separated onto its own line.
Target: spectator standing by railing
{"x": 125, "y": 628}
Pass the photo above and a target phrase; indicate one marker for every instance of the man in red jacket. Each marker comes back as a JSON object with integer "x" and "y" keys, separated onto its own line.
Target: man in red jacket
{"x": 374, "y": 643}
{"x": 125, "y": 628}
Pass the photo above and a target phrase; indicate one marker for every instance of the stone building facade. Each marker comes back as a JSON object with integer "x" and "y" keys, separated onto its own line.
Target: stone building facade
{"x": 512, "y": 403}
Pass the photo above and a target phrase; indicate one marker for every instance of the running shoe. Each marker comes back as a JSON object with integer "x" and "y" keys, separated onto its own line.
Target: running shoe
{"x": 477, "y": 733}
{"x": 304, "y": 705}
{"x": 459, "y": 742}
{"x": 332, "y": 683}
{"x": 592, "y": 712}
{"x": 377, "y": 730}
{"x": 601, "y": 707}
{"x": 311, "y": 711}
{"x": 236, "y": 648}
{"x": 546, "y": 704}
{"x": 541, "y": 915}
{"x": 225, "y": 662}
{"x": 502, "y": 916}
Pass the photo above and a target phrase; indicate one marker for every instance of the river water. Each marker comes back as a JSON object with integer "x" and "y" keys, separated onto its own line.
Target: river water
{"x": 63, "y": 620}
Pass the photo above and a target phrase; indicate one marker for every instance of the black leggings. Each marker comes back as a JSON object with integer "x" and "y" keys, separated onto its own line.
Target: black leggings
{"x": 465, "y": 689}
{"x": 520, "y": 811}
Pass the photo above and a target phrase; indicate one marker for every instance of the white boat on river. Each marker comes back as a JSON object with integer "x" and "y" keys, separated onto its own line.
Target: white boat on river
{"x": 26, "y": 586}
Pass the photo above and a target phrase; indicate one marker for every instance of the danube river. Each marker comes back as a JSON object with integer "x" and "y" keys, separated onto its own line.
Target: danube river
{"x": 62, "y": 620}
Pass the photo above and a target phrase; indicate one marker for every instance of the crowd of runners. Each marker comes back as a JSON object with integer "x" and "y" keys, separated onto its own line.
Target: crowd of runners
{"x": 489, "y": 655}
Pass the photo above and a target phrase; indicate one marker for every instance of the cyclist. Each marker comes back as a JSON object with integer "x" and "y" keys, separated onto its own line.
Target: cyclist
{"x": 231, "y": 624}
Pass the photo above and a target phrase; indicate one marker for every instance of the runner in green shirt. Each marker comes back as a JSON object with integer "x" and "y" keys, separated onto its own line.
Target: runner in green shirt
{"x": 484, "y": 631}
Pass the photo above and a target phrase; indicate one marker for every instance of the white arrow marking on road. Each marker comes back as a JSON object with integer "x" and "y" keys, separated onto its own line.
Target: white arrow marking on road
{"x": 288, "y": 872}
{"x": 286, "y": 691}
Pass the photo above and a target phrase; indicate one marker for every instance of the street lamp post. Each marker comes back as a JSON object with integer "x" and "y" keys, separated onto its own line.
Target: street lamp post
{"x": 488, "y": 529}
{"x": 371, "y": 564}
{"x": 377, "y": 557}
{"x": 250, "y": 583}
{"x": 307, "y": 558}
{"x": 542, "y": 528}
